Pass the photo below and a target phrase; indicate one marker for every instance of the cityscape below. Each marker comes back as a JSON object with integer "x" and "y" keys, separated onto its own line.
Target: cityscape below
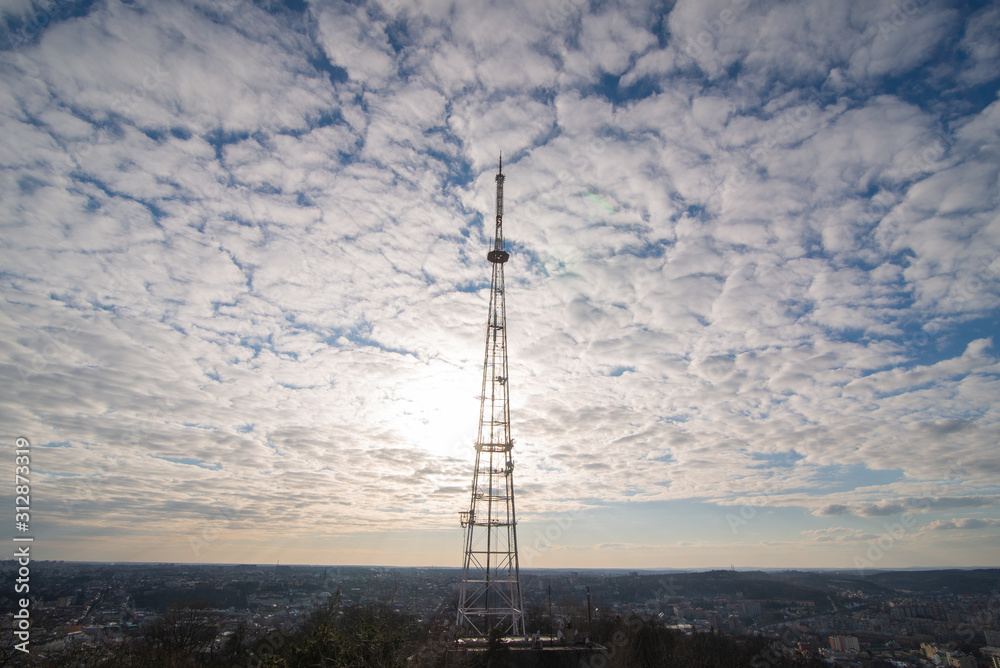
{"x": 847, "y": 617}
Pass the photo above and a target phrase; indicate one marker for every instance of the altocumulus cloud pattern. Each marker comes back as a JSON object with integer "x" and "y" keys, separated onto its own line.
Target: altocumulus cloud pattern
{"x": 753, "y": 288}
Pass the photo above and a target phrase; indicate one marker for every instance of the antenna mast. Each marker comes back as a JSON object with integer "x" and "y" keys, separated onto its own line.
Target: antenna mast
{"x": 490, "y": 594}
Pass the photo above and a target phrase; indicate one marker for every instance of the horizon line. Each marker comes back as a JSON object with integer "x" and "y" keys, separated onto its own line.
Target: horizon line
{"x": 740, "y": 569}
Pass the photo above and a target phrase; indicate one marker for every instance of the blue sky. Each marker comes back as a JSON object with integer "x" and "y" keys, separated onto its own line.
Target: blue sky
{"x": 752, "y": 296}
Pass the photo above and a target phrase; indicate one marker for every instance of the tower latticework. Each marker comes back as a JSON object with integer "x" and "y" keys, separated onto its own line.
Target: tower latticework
{"x": 490, "y": 594}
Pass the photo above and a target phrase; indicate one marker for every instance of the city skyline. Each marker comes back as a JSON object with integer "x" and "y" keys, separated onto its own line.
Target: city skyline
{"x": 752, "y": 294}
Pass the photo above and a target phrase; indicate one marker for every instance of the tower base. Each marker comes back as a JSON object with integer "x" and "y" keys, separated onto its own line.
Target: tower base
{"x": 548, "y": 652}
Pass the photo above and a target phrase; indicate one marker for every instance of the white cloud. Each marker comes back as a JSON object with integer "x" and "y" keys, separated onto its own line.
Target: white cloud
{"x": 232, "y": 281}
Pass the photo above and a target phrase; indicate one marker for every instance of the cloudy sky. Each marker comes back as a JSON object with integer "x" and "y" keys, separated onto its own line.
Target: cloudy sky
{"x": 753, "y": 294}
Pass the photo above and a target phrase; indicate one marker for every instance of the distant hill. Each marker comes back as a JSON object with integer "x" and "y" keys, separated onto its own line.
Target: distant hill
{"x": 821, "y": 587}
{"x": 953, "y": 581}
{"x": 751, "y": 585}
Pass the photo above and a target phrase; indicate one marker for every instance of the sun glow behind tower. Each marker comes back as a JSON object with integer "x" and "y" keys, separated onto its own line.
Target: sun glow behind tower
{"x": 490, "y": 595}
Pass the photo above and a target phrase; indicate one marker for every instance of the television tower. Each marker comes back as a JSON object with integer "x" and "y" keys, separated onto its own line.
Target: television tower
{"x": 490, "y": 594}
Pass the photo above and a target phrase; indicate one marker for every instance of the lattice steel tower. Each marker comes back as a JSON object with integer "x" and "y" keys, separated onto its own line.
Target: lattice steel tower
{"x": 490, "y": 594}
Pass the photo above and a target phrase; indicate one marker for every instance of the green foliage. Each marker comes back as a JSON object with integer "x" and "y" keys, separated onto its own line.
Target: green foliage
{"x": 372, "y": 636}
{"x": 637, "y": 643}
{"x": 497, "y": 653}
{"x": 376, "y": 636}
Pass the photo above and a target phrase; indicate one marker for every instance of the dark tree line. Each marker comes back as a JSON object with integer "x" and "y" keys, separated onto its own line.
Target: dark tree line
{"x": 633, "y": 642}
{"x": 377, "y": 636}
